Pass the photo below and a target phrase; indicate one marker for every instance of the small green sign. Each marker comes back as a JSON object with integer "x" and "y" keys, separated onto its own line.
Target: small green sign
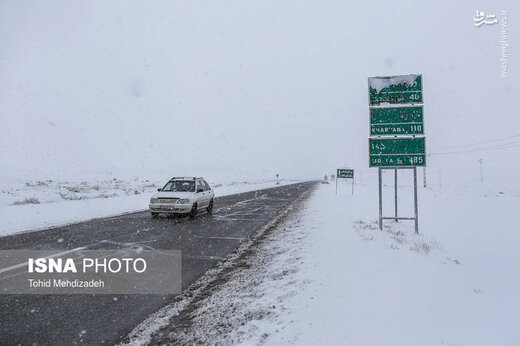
{"x": 397, "y": 152}
{"x": 345, "y": 173}
{"x": 396, "y": 121}
{"x": 395, "y": 89}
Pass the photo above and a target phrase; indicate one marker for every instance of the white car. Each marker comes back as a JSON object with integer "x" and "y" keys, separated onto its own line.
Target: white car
{"x": 183, "y": 195}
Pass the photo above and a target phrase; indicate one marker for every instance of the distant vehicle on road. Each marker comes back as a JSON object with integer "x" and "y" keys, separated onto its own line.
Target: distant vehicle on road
{"x": 183, "y": 195}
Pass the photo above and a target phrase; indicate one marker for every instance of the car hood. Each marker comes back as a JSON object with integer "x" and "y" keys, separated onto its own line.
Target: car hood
{"x": 171, "y": 194}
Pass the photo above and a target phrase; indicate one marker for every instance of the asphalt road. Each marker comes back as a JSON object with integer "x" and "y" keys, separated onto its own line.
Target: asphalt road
{"x": 105, "y": 319}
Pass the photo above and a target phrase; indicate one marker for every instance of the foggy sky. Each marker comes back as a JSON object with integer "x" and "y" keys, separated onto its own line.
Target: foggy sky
{"x": 251, "y": 87}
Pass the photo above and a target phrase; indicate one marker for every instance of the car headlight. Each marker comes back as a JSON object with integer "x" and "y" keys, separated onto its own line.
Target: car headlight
{"x": 183, "y": 201}
{"x": 154, "y": 200}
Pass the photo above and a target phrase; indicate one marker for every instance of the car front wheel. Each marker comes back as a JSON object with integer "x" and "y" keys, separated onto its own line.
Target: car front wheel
{"x": 193, "y": 211}
{"x": 210, "y": 206}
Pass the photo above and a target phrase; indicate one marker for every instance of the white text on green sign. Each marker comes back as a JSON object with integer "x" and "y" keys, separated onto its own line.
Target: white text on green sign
{"x": 396, "y": 121}
{"x": 345, "y": 173}
{"x": 397, "y": 152}
{"x": 395, "y": 89}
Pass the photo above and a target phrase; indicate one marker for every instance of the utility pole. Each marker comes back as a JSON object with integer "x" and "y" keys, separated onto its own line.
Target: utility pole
{"x": 481, "y": 161}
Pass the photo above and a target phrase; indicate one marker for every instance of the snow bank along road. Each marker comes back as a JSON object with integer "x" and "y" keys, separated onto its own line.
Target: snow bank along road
{"x": 96, "y": 319}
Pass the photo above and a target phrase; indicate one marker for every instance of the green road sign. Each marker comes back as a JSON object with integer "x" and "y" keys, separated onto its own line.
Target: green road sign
{"x": 397, "y": 152}
{"x": 396, "y": 98}
{"x": 390, "y": 146}
{"x": 413, "y": 160}
{"x": 345, "y": 173}
{"x": 396, "y": 121}
{"x": 396, "y": 129}
{"x": 395, "y": 89}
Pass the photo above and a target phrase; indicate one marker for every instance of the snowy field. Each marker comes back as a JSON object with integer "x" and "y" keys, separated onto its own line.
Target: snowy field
{"x": 29, "y": 205}
{"x": 327, "y": 275}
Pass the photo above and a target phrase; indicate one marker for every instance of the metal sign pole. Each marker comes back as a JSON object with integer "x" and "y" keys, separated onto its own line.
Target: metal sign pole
{"x": 380, "y": 200}
{"x": 395, "y": 190}
{"x": 336, "y": 185}
{"x": 352, "y": 185}
{"x": 415, "y": 199}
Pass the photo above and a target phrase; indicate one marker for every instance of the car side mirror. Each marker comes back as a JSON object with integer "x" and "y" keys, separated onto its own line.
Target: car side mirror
{"x": 200, "y": 190}
{"x": 158, "y": 189}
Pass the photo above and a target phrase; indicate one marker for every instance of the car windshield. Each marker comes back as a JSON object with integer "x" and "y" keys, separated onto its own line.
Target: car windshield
{"x": 180, "y": 186}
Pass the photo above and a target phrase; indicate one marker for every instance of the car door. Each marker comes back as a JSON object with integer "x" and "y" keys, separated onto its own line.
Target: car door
{"x": 202, "y": 197}
{"x": 211, "y": 194}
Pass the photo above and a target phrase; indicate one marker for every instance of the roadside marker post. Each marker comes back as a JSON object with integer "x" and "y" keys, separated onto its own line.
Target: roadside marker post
{"x": 395, "y": 191}
{"x": 344, "y": 173}
{"x": 396, "y": 138}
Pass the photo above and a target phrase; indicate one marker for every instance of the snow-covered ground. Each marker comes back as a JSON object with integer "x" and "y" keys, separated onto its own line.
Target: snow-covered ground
{"x": 327, "y": 275}
{"x": 28, "y": 205}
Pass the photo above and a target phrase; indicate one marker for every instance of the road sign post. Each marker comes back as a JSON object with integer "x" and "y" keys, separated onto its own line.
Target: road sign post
{"x": 415, "y": 199}
{"x": 344, "y": 173}
{"x": 395, "y": 192}
{"x": 396, "y": 139}
{"x": 380, "y": 198}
